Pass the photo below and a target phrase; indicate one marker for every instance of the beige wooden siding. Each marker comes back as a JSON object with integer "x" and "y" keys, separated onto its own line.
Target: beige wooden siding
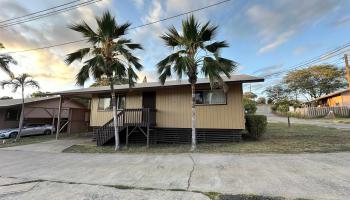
{"x": 174, "y": 110}
{"x": 99, "y": 118}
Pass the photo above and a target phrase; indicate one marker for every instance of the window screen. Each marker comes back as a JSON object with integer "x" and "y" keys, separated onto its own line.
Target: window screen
{"x": 210, "y": 97}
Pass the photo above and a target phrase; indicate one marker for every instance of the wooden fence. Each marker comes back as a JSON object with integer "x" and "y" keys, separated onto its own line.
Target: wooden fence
{"x": 314, "y": 112}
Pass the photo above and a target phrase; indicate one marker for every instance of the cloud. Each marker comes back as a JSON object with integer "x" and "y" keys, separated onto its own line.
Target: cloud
{"x": 280, "y": 20}
{"x": 282, "y": 38}
{"x": 139, "y": 3}
{"x": 268, "y": 70}
{"x": 47, "y": 66}
{"x": 342, "y": 21}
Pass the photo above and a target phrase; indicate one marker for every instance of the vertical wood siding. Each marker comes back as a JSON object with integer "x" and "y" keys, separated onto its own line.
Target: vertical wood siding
{"x": 174, "y": 109}
{"x": 99, "y": 118}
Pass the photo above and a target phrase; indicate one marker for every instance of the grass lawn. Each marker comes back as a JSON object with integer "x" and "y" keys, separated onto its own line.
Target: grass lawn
{"x": 33, "y": 139}
{"x": 277, "y": 139}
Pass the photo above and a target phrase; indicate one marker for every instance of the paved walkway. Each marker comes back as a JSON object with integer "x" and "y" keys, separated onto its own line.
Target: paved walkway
{"x": 52, "y": 146}
{"x": 313, "y": 176}
{"x": 265, "y": 110}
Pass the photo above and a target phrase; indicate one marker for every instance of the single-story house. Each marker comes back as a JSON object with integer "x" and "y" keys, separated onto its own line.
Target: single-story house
{"x": 338, "y": 98}
{"x": 156, "y": 113}
{"x": 74, "y": 115}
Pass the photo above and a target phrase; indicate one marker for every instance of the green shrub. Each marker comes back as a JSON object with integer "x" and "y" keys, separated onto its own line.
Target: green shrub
{"x": 255, "y": 125}
{"x": 249, "y": 106}
{"x": 283, "y": 108}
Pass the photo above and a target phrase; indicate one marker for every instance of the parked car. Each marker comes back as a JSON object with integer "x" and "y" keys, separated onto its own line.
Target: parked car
{"x": 28, "y": 129}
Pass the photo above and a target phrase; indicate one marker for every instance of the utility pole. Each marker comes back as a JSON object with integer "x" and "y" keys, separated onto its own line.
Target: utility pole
{"x": 347, "y": 68}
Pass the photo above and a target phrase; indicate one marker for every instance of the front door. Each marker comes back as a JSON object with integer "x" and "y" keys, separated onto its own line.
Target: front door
{"x": 149, "y": 100}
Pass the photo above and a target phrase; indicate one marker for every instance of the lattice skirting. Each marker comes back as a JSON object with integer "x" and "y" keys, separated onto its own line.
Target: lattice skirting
{"x": 183, "y": 136}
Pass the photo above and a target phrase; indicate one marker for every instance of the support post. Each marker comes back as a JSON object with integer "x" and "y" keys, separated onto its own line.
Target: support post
{"x": 127, "y": 137}
{"x": 59, "y": 117}
{"x": 347, "y": 68}
{"x": 147, "y": 136}
{"x": 53, "y": 120}
{"x": 288, "y": 121}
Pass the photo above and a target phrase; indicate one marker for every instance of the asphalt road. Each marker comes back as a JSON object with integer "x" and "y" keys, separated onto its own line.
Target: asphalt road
{"x": 80, "y": 176}
{"x": 265, "y": 110}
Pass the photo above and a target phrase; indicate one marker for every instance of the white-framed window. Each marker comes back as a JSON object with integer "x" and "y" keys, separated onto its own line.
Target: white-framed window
{"x": 210, "y": 97}
{"x": 105, "y": 103}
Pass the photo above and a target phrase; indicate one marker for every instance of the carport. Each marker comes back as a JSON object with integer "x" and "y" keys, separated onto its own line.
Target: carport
{"x": 74, "y": 116}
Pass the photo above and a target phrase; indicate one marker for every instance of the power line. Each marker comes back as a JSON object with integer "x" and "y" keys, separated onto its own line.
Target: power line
{"x": 335, "y": 52}
{"x": 135, "y": 27}
{"x": 55, "y": 12}
{"x": 34, "y": 13}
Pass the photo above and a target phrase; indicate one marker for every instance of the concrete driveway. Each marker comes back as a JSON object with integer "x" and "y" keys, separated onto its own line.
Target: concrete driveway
{"x": 52, "y": 146}
{"x": 313, "y": 176}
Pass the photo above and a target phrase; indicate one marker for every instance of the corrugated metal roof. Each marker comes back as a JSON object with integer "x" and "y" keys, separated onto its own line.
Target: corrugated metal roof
{"x": 14, "y": 102}
{"x": 332, "y": 94}
{"x": 234, "y": 78}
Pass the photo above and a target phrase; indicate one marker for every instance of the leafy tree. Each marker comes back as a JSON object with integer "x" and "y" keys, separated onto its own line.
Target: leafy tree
{"x": 316, "y": 81}
{"x": 277, "y": 93}
{"x": 5, "y": 97}
{"x": 106, "y": 82}
{"x": 249, "y": 105}
{"x": 261, "y": 100}
{"x": 40, "y": 94}
{"x": 250, "y": 95}
{"x": 5, "y": 61}
{"x": 194, "y": 52}
{"x": 109, "y": 55}
{"x": 20, "y": 82}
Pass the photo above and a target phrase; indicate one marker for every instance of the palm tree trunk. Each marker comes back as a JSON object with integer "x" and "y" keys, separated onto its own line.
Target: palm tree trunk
{"x": 194, "y": 142}
{"x": 21, "y": 118}
{"x": 115, "y": 120}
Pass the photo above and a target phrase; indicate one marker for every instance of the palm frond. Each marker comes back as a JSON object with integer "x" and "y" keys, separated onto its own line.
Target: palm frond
{"x": 5, "y": 61}
{"x": 86, "y": 30}
{"x": 132, "y": 76}
{"x": 121, "y": 30}
{"x": 215, "y": 46}
{"x": 164, "y": 74}
{"x": 83, "y": 75}
{"x": 106, "y": 26}
{"x": 208, "y": 32}
{"x": 77, "y": 56}
{"x": 32, "y": 83}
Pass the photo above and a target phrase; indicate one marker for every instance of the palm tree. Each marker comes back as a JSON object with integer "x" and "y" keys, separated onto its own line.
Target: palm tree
{"x": 109, "y": 55}
{"x": 21, "y": 81}
{"x": 194, "y": 52}
{"x": 5, "y": 61}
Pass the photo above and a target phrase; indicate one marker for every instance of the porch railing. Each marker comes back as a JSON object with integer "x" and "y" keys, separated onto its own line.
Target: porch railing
{"x": 138, "y": 117}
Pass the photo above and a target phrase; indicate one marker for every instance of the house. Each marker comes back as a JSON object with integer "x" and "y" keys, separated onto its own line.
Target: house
{"x": 75, "y": 116}
{"x": 338, "y": 98}
{"x": 156, "y": 113}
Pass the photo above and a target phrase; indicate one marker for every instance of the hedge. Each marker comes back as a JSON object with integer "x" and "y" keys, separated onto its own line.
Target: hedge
{"x": 255, "y": 125}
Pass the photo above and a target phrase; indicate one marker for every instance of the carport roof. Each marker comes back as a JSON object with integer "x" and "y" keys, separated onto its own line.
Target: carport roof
{"x": 15, "y": 102}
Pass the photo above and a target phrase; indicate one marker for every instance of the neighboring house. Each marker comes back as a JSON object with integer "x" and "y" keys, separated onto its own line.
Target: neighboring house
{"x": 338, "y": 98}
{"x": 44, "y": 110}
{"x": 162, "y": 113}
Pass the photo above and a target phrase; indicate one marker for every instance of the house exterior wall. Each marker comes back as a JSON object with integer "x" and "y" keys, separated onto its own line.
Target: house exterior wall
{"x": 335, "y": 101}
{"x": 346, "y": 98}
{"x": 174, "y": 109}
{"x": 5, "y": 123}
{"x": 342, "y": 99}
{"x": 99, "y": 118}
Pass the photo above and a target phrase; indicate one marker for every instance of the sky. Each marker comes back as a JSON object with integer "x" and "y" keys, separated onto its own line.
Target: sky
{"x": 265, "y": 36}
